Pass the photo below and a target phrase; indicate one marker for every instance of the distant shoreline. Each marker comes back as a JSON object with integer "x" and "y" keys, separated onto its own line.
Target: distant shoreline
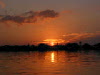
{"x": 45, "y": 47}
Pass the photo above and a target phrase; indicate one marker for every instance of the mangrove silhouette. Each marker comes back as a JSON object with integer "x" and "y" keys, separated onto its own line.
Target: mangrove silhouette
{"x": 45, "y": 47}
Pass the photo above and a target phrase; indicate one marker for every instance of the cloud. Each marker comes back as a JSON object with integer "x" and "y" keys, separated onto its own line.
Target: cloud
{"x": 29, "y": 17}
{"x": 48, "y": 13}
{"x": 2, "y": 5}
{"x": 54, "y": 40}
{"x": 73, "y": 37}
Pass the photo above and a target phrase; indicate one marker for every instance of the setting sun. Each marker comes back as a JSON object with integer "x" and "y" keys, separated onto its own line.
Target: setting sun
{"x": 53, "y": 42}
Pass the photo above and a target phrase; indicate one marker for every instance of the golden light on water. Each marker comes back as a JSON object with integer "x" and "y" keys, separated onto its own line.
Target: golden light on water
{"x": 52, "y": 57}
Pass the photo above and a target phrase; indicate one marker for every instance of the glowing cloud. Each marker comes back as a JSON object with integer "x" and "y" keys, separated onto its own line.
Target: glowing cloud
{"x": 80, "y": 36}
{"x": 52, "y": 41}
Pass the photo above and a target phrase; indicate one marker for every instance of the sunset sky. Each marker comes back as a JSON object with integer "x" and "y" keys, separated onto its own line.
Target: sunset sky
{"x": 36, "y": 21}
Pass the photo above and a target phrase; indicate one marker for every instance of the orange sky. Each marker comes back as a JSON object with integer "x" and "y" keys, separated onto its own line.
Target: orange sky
{"x": 35, "y": 21}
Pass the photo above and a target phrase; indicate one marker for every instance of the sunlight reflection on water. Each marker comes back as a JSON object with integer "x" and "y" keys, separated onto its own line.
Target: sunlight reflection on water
{"x": 52, "y": 57}
{"x": 50, "y": 63}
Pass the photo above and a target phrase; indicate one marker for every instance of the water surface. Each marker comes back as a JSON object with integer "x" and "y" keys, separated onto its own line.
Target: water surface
{"x": 50, "y": 63}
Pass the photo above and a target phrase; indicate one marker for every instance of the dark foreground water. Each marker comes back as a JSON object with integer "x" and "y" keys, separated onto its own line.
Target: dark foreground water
{"x": 50, "y": 63}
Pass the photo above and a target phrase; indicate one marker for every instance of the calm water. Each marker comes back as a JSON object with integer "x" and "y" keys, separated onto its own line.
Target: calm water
{"x": 50, "y": 63}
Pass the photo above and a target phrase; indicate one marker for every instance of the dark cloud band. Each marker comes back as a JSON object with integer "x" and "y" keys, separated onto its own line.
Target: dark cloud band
{"x": 29, "y": 17}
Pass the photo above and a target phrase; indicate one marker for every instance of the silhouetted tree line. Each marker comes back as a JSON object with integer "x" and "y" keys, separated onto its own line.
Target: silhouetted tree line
{"x": 45, "y": 47}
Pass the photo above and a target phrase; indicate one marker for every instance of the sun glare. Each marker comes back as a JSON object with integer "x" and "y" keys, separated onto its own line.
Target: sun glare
{"x": 52, "y": 43}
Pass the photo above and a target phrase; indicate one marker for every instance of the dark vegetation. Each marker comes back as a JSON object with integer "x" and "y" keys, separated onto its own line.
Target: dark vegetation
{"x": 45, "y": 47}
